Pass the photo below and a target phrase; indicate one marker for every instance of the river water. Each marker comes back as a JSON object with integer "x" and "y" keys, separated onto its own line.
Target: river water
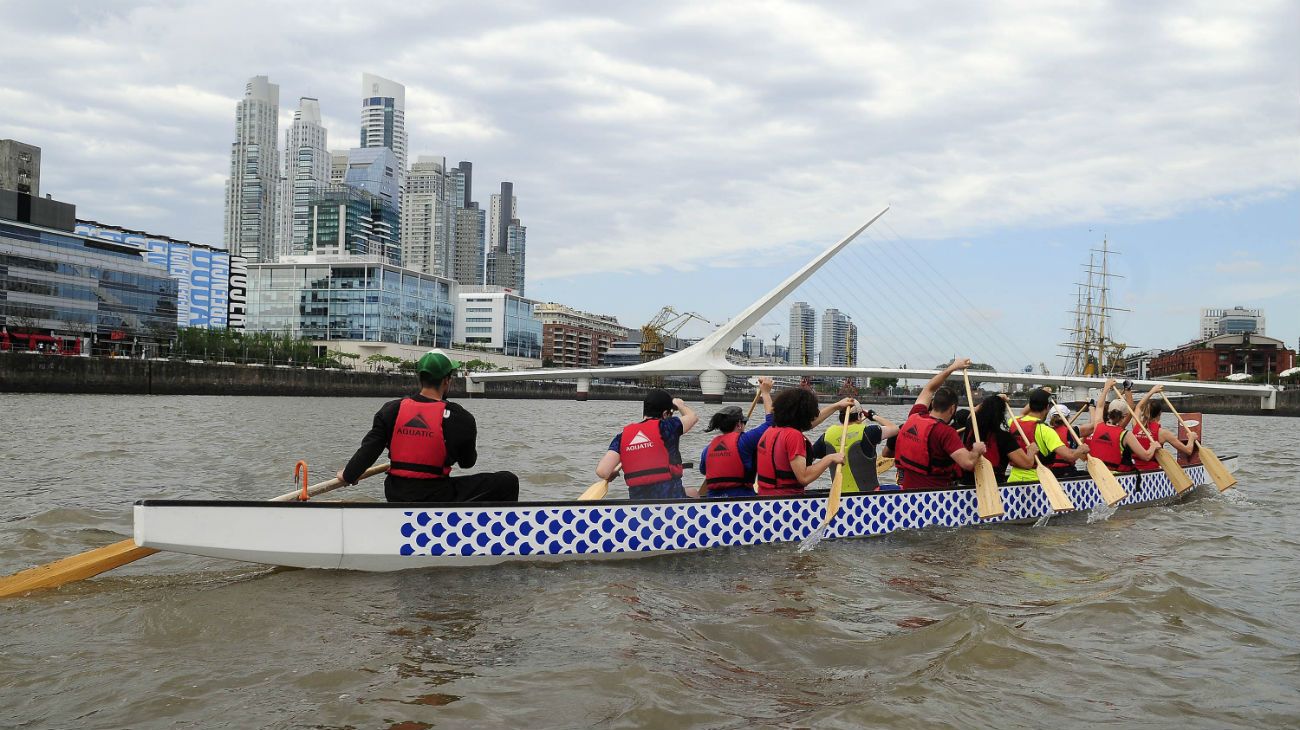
{"x": 1185, "y": 616}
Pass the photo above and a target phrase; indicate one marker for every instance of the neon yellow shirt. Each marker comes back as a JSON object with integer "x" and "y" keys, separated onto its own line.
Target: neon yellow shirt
{"x": 1048, "y": 442}
{"x": 849, "y": 485}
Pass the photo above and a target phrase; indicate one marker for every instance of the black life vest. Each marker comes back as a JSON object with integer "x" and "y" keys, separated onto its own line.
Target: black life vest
{"x": 1107, "y": 443}
{"x": 417, "y": 448}
{"x": 646, "y": 459}
{"x": 724, "y": 469}
{"x": 913, "y": 450}
{"x": 774, "y": 471}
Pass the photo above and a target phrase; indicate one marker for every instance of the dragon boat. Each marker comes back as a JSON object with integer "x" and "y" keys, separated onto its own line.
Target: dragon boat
{"x": 375, "y": 536}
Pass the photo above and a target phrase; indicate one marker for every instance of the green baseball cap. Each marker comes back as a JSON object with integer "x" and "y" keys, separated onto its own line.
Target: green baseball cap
{"x": 436, "y": 364}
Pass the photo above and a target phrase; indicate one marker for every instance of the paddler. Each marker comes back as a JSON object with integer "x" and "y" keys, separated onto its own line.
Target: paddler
{"x": 1042, "y": 438}
{"x": 727, "y": 463}
{"x": 1108, "y": 440}
{"x": 1150, "y": 436}
{"x": 425, "y": 435}
{"x": 1058, "y": 419}
{"x": 783, "y": 464}
{"x": 649, "y": 450}
{"x": 1001, "y": 448}
{"x": 867, "y": 430}
{"x": 929, "y": 453}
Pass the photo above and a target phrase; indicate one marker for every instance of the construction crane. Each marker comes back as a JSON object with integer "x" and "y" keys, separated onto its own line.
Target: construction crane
{"x": 663, "y": 325}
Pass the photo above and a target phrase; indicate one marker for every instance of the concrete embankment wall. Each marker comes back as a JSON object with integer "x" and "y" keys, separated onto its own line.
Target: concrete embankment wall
{"x": 22, "y": 373}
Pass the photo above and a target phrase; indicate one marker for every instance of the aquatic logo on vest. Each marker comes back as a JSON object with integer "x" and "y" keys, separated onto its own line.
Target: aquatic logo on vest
{"x": 415, "y": 427}
{"x": 638, "y": 442}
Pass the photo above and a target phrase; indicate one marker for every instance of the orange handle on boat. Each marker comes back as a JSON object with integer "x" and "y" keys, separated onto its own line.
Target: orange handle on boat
{"x": 301, "y": 466}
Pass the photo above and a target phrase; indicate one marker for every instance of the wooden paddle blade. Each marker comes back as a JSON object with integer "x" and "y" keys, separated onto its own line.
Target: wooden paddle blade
{"x": 1111, "y": 490}
{"x": 74, "y": 568}
{"x": 883, "y": 464}
{"x": 1223, "y": 479}
{"x": 596, "y": 491}
{"x": 833, "y": 501}
{"x": 988, "y": 500}
{"x": 1176, "y": 475}
{"x": 1056, "y": 496}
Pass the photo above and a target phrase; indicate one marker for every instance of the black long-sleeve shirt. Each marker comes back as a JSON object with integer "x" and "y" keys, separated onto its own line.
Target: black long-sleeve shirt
{"x": 459, "y": 432}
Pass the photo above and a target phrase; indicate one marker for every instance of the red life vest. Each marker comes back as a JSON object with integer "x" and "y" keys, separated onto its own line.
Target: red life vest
{"x": 1107, "y": 443}
{"x": 1067, "y": 438}
{"x": 645, "y": 457}
{"x": 913, "y": 450}
{"x": 724, "y": 469}
{"x": 1029, "y": 426}
{"x": 991, "y": 444}
{"x": 774, "y": 474}
{"x": 417, "y": 448}
{"x": 1146, "y": 438}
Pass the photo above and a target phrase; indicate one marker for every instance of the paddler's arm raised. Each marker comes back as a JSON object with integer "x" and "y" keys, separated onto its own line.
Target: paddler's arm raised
{"x": 374, "y": 443}
{"x": 688, "y": 417}
{"x": 927, "y": 393}
{"x": 888, "y": 429}
{"x": 836, "y": 407}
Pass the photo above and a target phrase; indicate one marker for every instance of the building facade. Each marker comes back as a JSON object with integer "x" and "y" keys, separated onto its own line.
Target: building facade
{"x": 572, "y": 338}
{"x": 427, "y": 229}
{"x": 344, "y": 299}
{"x": 1219, "y": 357}
{"x": 803, "y": 330}
{"x": 1231, "y": 321}
{"x": 306, "y": 170}
{"x": 347, "y": 221}
{"x": 20, "y": 167}
{"x": 251, "y": 189}
{"x": 499, "y": 321}
{"x": 503, "y": 208}
{"x": 66, "y": 293}
{"x": 506, "y": 267}
{"x": 383, "y": 118}
{"x": 835, "y": 338}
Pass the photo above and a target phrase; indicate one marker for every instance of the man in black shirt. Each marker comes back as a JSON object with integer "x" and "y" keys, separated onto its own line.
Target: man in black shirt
{"x": 425, "y": 435}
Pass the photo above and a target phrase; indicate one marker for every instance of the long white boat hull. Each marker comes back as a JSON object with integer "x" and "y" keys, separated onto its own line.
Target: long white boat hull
{"x": 384, "y": 536}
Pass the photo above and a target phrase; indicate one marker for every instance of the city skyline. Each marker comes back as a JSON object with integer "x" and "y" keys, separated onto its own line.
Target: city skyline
{"x": 654, "y": 171}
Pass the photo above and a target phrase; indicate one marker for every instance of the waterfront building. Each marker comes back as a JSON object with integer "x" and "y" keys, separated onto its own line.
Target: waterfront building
{"x": 572, "y": 338}
{"x": 1233, "y": 321}
{"x": 1136, "y": 363}
{"x": 352, "y": 304}
{"x": 1218, "y": 357}
{"x": 20, "y": 167}
{"x": 338, "y": 166}
{"x": 468, "y": 224}
{"x": 383, "y": 118}
{"x": 210, "y": 286}
{"x": 348, "y": 221}
{"x": 835, "y": 338}
{"x": 427, "y": 228}
{"x": 803, "y": 327}
{"x": 505, "y": 266}
{"x": 61, "y": 292}
{"x": 306, "y": 170}
{"x": 252, "y": 187}
{"x": 503, "y": 209}
{"x": 493, "y": 319}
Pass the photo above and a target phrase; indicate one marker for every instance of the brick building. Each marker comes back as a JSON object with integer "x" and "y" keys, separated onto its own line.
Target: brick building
{"x": 1219, "y": 357}
{"x": 576, "y": 339}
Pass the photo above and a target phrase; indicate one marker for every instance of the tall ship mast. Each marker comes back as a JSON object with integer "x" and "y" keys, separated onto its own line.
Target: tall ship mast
{"x": 1091, "y": 349}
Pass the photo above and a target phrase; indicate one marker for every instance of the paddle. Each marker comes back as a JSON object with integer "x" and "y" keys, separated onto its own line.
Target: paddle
{"x": 837, "y": 482}
{"x": 600, "y": 488}
{"x": 93, "y": 562}
{"x": 883, "y": 464}
{"x": 988, "y": 500}
{"x": 1166, "y": 460}
{"x": 1223, "y": 479}
{"x": 1056, "y": 496}
{"x": 1109, "y": 487}
{"x": 752, "y": 405}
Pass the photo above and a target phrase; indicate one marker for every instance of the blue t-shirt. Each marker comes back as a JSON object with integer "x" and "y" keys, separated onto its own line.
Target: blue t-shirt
{"x": 670, "y": 430}
{"x": 747, "y": 445}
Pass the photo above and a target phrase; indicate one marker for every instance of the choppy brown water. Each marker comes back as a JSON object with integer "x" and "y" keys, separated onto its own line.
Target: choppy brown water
{"x": 1182, "y": 616}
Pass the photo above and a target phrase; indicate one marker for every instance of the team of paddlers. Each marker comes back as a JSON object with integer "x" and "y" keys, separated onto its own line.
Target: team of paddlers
{"x": 935, "y": 447}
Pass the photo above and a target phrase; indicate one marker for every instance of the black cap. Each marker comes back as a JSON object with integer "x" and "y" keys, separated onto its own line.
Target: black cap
{"x": 725, "y": 419}
{"x": 656, "y": 402}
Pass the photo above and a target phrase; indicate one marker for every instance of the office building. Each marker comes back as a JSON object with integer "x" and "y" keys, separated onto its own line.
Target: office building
{"x": 835, "y": 339}
{"x": 1224, "y": 355}
{"x": 64, "y": 293}
{"x": 358, "y": 306}
{"x": 338, "y": 166}
{"x": 306, "y": 170}
{"x": 348, "y": 221}
{"x": 499, "y": 321}
{"x": 252, "y": 187}
{"x": 1233, "y": 321}
{"x": 20, "y": 167}
{"x": 469, "y": 224}
{"x": 572, "y": 338}
{"x": 505, "y": 266}
{"x": 803, "y": 328}
{"x": 383, "y": 117}
{"x": 427, "y": 219}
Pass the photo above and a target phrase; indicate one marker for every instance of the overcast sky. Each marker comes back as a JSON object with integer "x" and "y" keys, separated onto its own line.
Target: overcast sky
{"x": 693, "y": 153}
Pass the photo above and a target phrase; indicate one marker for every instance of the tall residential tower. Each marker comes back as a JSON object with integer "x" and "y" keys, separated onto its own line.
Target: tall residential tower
{"x": 383, "y": 117}
{"x": 306, "y": 171}
{"x": 803, "y": 331}
{"x": 254, "y": 173}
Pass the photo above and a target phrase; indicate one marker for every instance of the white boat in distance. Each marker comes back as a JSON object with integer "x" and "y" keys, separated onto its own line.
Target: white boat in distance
{"x": 378, "y": 536}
